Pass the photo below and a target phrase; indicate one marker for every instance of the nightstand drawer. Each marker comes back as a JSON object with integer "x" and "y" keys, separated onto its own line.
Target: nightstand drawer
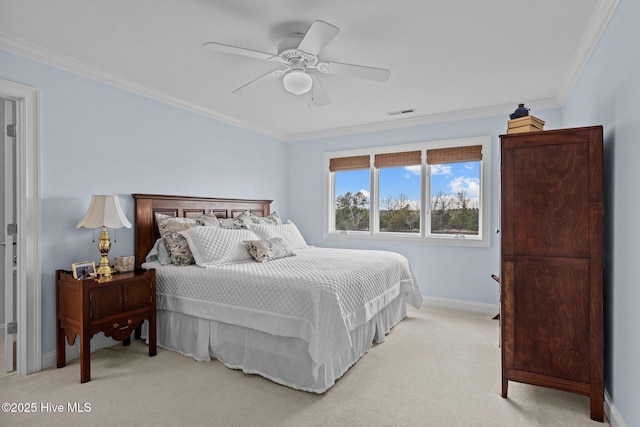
{"x": 120, "y": 327}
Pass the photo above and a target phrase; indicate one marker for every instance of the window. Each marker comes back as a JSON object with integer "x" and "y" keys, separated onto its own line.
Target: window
{"x": 428, "y": 192}
{"x": 351, "y": 180}
{"x": 455, "y": 190}
{"x": 399, "y": 183}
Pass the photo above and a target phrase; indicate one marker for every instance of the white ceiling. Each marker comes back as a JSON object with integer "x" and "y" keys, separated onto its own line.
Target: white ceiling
{"x": 448, "y": 59}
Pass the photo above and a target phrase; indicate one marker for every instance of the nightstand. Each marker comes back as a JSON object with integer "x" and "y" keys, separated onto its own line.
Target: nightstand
{"x": 115, "y": 307}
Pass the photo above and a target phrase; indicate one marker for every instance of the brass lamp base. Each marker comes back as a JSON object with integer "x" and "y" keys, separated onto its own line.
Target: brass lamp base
{"x": 104, "y": 245}
{"x": 104, "y": 272}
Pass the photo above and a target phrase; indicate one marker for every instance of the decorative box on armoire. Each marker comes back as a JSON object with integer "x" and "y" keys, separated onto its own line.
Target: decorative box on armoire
{"x": 552, "y": 261}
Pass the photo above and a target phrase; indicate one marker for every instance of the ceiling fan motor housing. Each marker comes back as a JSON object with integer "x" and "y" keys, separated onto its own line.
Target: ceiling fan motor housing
{"x": 288, "y": 48}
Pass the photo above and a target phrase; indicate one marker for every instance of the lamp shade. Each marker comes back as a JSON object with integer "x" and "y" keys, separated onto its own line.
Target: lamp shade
{"x": 297, "y": 82}
{"x": 104, "y": 211}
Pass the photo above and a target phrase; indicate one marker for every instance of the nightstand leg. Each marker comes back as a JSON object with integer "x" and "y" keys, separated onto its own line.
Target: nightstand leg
{"x": 85, "y": 359}
{"x": 61, "y": 357}
{"x": 153, "y": 350}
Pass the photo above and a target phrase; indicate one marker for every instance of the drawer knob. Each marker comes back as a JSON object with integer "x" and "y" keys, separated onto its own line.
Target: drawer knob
{"x": 122, "y": 328}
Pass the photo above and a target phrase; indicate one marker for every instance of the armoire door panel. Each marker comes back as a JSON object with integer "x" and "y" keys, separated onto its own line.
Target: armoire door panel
{"x": 552, "y": 184}
{"x": 551, "y": 319}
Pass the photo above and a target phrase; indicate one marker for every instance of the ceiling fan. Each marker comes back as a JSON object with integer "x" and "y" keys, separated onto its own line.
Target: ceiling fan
{"x": 299, "y": 55}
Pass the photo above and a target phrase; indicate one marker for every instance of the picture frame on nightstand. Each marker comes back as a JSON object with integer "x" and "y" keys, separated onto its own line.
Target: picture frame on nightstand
{"x": 83, "y": 270}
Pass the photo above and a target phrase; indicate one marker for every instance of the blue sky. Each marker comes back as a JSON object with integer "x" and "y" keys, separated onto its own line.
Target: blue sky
{"x": 448, "y": 178}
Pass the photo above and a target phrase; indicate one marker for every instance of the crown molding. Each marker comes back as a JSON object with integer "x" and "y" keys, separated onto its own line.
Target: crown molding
{"x": 598, "y": 23}
{"x": 539, "y": 104}
{"x": 37, "y": 53}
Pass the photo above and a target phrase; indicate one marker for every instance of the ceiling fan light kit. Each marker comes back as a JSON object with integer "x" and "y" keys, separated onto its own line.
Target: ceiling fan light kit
{"x": 299, "y": 54}
{"x": 297, "y": 82}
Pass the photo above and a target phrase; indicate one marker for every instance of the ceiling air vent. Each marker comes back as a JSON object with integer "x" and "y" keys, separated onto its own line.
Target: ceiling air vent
{"x": 401, "y": 112}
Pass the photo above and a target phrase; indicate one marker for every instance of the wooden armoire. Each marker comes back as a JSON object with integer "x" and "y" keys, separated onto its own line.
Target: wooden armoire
{"x": 552, "y": 261}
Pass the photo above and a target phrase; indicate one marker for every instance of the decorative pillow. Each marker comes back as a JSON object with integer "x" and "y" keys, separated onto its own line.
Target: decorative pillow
{"x": 213, "y": 246}
{"x": 159, "y": 253}
{"x": 268, "y": 250}
{"x": 209, "y": 219}
{"x": 249, "y": 218}
{"x": 234, "y": 223}
{"x": 170, "y": 228}
{"x": 289, "y": 232}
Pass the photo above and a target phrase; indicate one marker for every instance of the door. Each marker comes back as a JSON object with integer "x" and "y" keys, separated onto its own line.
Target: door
{"x": 8, "y": 270}
{"x": 28, "y": 307}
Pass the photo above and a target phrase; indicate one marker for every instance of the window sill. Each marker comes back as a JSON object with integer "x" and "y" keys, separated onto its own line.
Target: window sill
{"x": 388, "y": 237}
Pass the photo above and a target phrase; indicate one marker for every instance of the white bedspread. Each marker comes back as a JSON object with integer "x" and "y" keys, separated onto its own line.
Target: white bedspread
{"x": 319, "y": 295}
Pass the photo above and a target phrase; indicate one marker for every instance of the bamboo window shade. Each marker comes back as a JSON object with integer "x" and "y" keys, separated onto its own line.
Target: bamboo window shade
{"x": 439, "y": 156}
{"x": 390, "y": 160}
{"x": 349, "y": 163}
{"x": 436, "y": 156}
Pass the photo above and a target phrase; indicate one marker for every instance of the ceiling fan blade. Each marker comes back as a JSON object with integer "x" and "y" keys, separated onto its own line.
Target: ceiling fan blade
{"x": 225, "y": 48}
{"x": 358, "y": 71}
{"x": 271, "y": 75}
{"x": 318, "y": 36}
{"x": 318, "y": 94}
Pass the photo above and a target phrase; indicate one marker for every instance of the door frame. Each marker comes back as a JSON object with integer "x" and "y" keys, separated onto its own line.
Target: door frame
{"x": 28, "y": 289}
{"x": 7, "y": 261}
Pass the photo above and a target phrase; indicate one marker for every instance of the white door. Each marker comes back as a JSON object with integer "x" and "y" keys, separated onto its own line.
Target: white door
{"x": 28, "y": 306}
{"x": 8, "y": 264}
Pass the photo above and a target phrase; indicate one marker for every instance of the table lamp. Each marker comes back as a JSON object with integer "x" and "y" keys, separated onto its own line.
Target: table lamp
{"x": 104, "y": 211}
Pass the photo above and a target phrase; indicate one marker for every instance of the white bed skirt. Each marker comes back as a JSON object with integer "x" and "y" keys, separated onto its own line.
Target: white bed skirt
{"x": 284, "y": 360}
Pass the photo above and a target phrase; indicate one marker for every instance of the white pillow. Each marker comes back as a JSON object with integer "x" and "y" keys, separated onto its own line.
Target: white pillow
{"x": 289, "y": 232}
{"x": 159, "y": 253}
{"x": 212, "y": 246}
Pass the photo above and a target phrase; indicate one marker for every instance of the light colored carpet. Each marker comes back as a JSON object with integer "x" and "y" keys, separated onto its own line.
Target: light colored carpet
{"x": 438, "y": 367}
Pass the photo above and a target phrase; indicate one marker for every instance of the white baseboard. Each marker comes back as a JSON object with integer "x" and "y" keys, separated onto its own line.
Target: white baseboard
{"x": 610, "y": 410}
{"x": 73, "y": 351}
{"x": 476, "y": 307}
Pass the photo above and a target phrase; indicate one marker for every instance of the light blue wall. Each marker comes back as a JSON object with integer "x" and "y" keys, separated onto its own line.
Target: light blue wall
{"x": 607, "y": 93}
{"x": 97, "y": 139}
{"x": 449, "y": 272}
{"x": 141, "y": 139}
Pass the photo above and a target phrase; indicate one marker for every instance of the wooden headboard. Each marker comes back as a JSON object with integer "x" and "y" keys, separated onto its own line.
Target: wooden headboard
{"x": 146, "y": 205}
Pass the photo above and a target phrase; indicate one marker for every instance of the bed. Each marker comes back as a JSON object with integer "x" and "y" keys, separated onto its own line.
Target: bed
{"x": 301, "y": 320}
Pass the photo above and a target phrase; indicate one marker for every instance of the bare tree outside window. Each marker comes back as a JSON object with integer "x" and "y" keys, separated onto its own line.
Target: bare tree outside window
{"x": 352, "y": 211}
